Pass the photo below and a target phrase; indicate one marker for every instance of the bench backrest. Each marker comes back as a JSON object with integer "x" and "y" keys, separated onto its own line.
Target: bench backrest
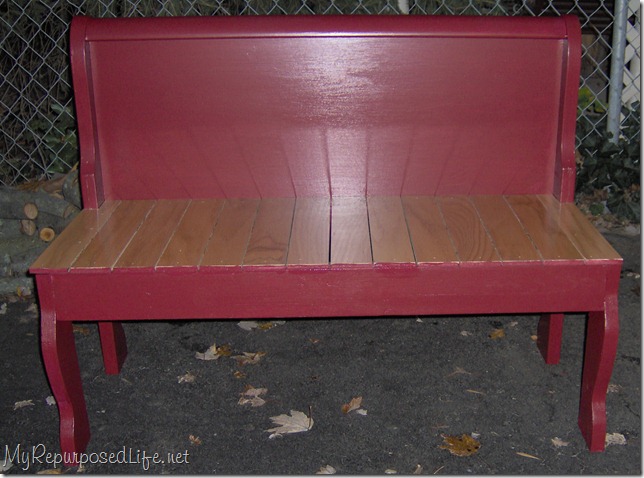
{"x": 319, "y": 106}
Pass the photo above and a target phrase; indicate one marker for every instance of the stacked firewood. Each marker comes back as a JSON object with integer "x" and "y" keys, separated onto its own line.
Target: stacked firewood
{"x": 31, "y": 216}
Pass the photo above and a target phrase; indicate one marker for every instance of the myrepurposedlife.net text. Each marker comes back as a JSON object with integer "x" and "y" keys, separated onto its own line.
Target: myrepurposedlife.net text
{"x": 38, "y": 455}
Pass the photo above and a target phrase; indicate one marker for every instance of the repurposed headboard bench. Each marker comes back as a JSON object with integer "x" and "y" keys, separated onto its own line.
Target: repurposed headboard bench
{"x": 314, "y": 166}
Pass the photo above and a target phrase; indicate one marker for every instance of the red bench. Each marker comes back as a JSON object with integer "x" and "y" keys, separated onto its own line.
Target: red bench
{"x": 264, "y": 167}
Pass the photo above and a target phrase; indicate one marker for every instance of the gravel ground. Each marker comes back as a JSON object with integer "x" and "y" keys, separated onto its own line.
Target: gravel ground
{"x": 419, "y": 378}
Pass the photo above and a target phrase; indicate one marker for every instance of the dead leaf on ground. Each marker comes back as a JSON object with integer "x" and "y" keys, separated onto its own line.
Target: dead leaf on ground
{"x": 465, "y": 333}
{"x": 354, "y": 404}
{"x": 458, "y": 371}
{"x": 22, "y": 404}
{"x": 50, "y": 400}
{"x": 534, "y": 338}
{"x": 477, "y": 392}
{"x": 296, "y": 422}
{"x": 249, "y": 358}
{"x": 497, "y": 334}
{"x": 463, "y": 445}
{"x": 195, "y": 440}
{"x": 251, "y": 396}
{"x": 390, "y": 471}
{"x": 326, "y": 470}
{"x": 615, "y": 439}
{"x": 51, "y": 471}
{"x": 81, "y": 329}
{"x": 264, "y": 325}
{"x": 418, "y": 470}
{"x": 558, "y": 442}
{"x": 239, "y": 374}
{"x": 527, "y": 455}
{"x": 614, "y": 388}
{"x": 214, "y": 352}
{"x": 3, "y": 309}
{"x": 186, "y": 378}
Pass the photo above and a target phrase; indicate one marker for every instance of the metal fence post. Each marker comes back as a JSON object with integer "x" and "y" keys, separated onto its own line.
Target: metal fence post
{"x": 617, "y": 69}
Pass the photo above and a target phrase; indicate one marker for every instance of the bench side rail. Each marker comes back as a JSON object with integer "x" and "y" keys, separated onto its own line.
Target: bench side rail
{"x": 325, "y": 106}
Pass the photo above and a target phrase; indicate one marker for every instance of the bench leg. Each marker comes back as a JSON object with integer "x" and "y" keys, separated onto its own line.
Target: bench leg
{"x": 113, "y": 345}
{"x": 549, "y": 333}
{"x": 61, "y": 364}
{"x": 601, "y": 347}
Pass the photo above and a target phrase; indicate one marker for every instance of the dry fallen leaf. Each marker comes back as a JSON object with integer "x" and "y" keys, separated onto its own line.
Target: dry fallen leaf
{"x": 22, "y": 404}
{"x": 326, "y": 470}
{"x": 459, "y": 370}
{"x": 465, "y": 333}
{"x": 469, "y": 390}
{"x": 497, "y": 334}
{"x": 534, "y": 338}
{"x": 50, "y": 471}
{"x": 418, "y": 470}
{"x": 249, "y": 358}
{"x": 50, "y": 400}
{"x": 354, "y": 404}
{"x": 296, "y": 422}
{"x": 186, "y": 378}
{"x": 3, "y": 309}
{"x": 262, "y": 325}
{"x": 390, "y": 471}
{"x": 526, "y": 455}
{"x": 194, "y": 440}
{"x": 615, "y": 439}
{"x": 239, "y": 374}
{"x": 251, "y": 396}
{"x": 214, "y": 352}
{"x": 614, "y": 388}
{"x": 463, "y": 445}
{"x": 558, "y": 442}
{"x": 80, "y": 329}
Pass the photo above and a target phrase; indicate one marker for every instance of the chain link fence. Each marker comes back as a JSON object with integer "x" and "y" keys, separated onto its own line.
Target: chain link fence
{"x": 38, "y": 134}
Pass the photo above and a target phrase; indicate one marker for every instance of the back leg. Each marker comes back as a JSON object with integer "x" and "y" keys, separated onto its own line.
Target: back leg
{"x": 549, "y": 332}
{"x": 114, "y": 346}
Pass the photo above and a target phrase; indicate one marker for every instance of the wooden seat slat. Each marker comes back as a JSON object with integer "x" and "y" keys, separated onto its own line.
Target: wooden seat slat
{"x": 187, "y": 245}
{"x": 429, "y": 237}
{"x": 268, "y": 244}
{"x": 107, "y": 245}
{"x": 472, "y": 242}
{"x": 310, "y": 236}
{"x": 588, "y": 241}
{"x": 230, "y": 238}
{"x": 61, "y": 254}
{"x": 350, "y": 241}
{"x": 542, "y": 225}
{"x": 510, "y": 239}
{"x": 390, "y": 240}
{"x": 149, "y": 242}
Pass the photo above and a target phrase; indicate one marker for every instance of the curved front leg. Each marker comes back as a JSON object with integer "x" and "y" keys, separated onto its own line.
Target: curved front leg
{"x": 602, "y": 330}
{"x": 61, "y": 363}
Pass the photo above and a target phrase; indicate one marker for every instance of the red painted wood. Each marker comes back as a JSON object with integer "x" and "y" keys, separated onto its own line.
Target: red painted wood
{"x": 263, "y": 292}
{"x": 113, "y": 345}
{"x": 565, "y": 167}
{"x": 61, "y": 363}
{"x": 549, "y": 333}
{"x": 368, "y": 100}
{"x": 602, "y": 331}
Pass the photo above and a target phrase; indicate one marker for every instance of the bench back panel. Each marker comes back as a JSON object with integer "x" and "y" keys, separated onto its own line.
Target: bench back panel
{"x": 320, "y": 106}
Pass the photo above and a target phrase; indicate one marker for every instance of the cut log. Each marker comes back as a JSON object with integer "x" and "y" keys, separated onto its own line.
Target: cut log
{"x": 12, "y": 203}
{"x": 12, "y": 228}
{"x": 27, "y": 227}
{"x": 30, "y": 210}
{"x": 47, "y": 234}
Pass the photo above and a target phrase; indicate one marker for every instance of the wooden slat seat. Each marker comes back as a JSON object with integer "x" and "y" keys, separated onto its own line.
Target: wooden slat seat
{"x": 290, "y": 232}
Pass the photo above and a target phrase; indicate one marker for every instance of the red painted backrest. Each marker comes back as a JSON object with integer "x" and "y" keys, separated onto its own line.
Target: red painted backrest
{"x": 318, "y": 106}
